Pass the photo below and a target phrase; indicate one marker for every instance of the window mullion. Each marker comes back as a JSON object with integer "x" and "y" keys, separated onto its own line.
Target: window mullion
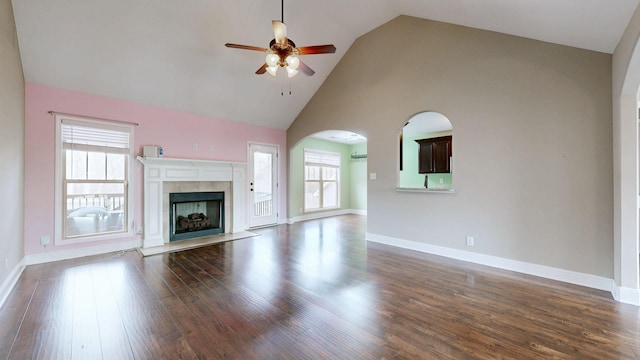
{"x": 86, "y": 167}
{"x": 126, "y": 216}
{"x": 321, "y": 187}
{"x": 106, "y": 166}
{"x": 65, "y": 205}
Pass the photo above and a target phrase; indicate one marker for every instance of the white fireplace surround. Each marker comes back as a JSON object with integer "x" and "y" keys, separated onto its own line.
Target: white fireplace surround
{"x": 158, "y": 171}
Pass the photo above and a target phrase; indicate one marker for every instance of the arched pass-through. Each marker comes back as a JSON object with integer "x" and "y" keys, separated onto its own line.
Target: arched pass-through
{"x": 425, "y": 153}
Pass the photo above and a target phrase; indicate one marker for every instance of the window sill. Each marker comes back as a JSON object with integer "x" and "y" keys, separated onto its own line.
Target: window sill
{"x": 304, "y": 211}
{"x": 425, "y": 190}
{"x": 94, "y": 238}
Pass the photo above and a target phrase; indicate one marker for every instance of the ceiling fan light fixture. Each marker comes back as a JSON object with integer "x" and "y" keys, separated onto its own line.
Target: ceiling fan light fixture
{"x": 292, "y": 62}
{"x": 291, "y": 72}
{"x": 272, "y": 70}
{"x": 272, "y": 59}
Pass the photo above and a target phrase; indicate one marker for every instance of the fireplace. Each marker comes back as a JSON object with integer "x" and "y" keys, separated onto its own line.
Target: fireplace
{"x": 164, "y": 176}
{"x": 195, "y": 214}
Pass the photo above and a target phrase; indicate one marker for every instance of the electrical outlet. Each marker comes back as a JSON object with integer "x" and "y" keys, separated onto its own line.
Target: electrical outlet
{"x": 195, "y": 146}
{"x": 139, "y": 231}
{"x": 471, "y": 241}
{"x": 44, "y": 240}
{"x": 441, "y": 181}
{"x": 211, "y": 148}
{"x": 6, "y": 263}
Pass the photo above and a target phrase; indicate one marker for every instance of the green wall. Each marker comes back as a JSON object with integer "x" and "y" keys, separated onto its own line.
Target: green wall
{"x": 358, "y": 183}
{"x": 353, "y": 184}
{"x": 409, "y": 176}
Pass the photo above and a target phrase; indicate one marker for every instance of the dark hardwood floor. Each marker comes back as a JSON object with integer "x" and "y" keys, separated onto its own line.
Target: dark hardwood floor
{"x": 313, "y": 290}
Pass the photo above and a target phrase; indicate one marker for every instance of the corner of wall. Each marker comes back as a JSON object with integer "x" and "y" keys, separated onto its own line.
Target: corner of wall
{"x": 626, "y": 295}
{"x": 11, "y": 281}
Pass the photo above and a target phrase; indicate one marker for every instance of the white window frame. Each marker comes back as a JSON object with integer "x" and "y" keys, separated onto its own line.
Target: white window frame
{"x": 321, "y": 181}
{"x": 60, "y": 217}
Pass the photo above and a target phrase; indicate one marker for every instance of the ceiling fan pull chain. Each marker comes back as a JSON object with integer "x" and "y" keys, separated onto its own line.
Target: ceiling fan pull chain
{"x": 282, "y": 10}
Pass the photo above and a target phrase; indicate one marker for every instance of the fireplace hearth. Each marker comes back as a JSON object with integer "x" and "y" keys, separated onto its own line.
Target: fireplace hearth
{"x": 195, "y": 214}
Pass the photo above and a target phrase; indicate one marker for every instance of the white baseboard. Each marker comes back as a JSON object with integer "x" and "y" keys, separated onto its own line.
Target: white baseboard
{"x": 572, "y": 277}
{"x": 152, "y": 242}
{"x": 626, "y": 295}
{"x": 11, "y": 281}
{"x": 324, "y": 214}
{"x": 65, "y": 254}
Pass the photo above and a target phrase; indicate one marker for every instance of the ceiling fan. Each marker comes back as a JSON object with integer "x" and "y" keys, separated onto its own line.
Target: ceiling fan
{"x": 282, "y": 52}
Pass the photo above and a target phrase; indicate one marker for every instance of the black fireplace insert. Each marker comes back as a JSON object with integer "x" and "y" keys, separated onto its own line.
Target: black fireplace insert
{"x": 195, "y": 214}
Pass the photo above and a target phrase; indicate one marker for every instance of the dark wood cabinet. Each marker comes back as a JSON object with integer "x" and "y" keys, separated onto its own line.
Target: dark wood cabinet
{"x": 434, "y": 155}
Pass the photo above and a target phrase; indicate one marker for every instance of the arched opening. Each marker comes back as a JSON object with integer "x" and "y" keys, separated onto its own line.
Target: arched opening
{"x": 626, "y": 147}
{"x": 328, "y": 175}
{"x": 426, "y": 157}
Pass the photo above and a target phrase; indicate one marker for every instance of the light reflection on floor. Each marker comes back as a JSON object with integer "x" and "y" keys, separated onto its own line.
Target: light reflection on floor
{"x": 320, "y": 267}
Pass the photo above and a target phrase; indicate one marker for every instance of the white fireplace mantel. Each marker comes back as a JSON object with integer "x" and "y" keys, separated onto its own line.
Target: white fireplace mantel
{"x": 159, "y": 170}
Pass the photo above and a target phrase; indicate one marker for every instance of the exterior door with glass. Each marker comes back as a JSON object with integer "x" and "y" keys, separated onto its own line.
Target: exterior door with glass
{"x": 263, "y": 185}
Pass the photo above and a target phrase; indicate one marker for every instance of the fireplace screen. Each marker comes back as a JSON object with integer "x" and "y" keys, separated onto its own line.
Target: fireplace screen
{"x": 196, "y": 214}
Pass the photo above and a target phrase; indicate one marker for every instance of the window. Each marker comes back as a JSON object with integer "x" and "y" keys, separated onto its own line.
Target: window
{"x": 321, "y": 180}
{"x": 92, "y": 177}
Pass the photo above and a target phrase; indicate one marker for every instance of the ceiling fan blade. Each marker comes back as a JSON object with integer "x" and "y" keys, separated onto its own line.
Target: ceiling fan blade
{"x": 262, "y": 70}
{"x": 245, "y": 47}
{"x": 305, "y": 69}
{"x": 280, "y": 32}
{"x": 317, "y": 49}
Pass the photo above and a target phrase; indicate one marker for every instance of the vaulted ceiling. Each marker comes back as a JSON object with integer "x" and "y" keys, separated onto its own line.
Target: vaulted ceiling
{"x": 171, "y": 53}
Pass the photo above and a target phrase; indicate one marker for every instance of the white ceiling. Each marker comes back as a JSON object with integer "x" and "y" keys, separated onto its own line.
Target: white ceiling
{"x": 425, "y": 123}
{"x": 171, "y": 53}
{"x": 340, "y": 136}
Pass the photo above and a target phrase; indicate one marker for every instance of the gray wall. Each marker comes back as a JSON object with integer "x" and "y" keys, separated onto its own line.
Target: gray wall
{"x": 11, "y": 144}
{"x": 626, "y": 80}
{"x": 533, "y": 139}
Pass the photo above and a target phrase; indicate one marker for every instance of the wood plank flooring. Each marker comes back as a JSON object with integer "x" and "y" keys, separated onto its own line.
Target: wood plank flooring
{"x": 312, "y": 290}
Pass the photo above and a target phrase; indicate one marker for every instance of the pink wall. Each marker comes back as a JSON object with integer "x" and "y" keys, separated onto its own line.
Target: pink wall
{"x": 175, "y": 131}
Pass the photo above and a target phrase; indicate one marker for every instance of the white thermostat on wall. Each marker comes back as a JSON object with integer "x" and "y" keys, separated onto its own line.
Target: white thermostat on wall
{"x": 152, "y": 151}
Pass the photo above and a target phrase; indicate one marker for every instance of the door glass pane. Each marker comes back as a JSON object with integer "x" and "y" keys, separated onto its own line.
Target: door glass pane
{"x": 262, "y": 185}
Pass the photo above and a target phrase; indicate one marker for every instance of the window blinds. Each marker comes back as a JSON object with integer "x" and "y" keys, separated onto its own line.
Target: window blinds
{"x": 321, "y": 158}
{"x": 84, "y": 135}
